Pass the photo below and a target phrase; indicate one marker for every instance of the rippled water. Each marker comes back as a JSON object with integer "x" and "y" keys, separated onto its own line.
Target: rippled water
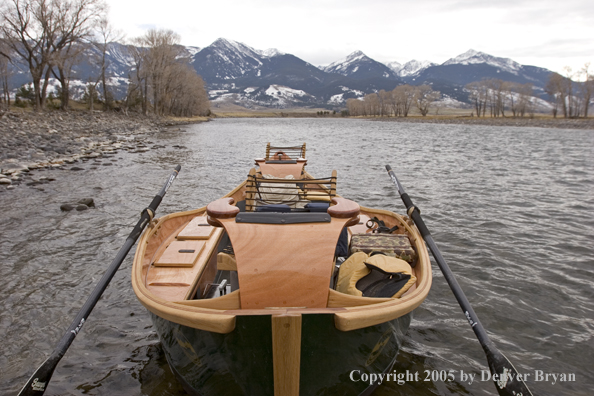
{"x": 512, "y": 210}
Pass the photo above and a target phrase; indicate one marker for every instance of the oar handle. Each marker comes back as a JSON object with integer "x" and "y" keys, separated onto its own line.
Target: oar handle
{"x": 503, "y": 372}
{"x": 37, "y": 384}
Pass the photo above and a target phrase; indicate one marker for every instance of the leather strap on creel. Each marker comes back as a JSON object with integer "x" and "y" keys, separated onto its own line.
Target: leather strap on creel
{"x": 381, "y": 226}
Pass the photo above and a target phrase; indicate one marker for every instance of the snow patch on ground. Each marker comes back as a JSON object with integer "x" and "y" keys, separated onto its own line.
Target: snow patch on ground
{"x": 282, "y": 91}
{"x": 336, "y": 99}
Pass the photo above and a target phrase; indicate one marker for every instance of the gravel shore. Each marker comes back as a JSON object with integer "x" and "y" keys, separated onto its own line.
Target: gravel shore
{"x": 30, "y": 141}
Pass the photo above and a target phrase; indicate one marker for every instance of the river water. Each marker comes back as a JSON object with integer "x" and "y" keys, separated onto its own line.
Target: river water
{"x": 512, "y": 210}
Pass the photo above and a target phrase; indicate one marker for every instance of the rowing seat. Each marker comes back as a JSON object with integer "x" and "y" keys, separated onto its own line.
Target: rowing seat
{"x": 283, "y": 259}
{"x": 283, "y": 161}
{"x": 282, "y": 168}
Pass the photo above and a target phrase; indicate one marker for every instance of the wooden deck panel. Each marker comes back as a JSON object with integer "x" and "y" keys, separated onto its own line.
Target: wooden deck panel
{"x": 180, "y": 254}
{"x": 174, "y": 283}
{"x": 198, "y": 228}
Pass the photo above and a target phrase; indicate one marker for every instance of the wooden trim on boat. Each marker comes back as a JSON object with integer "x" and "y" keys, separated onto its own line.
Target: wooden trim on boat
{"x": 341, "y": 300}
{"x": 227, "y": 302}
{"x": 218, "y": 315}
{"x": 286, "y": 353}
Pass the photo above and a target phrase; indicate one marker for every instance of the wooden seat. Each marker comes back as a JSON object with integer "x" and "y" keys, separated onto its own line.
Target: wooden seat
{"x": 283, "y": 161}
{"x": 284, "y": 265}
{"x": 282, "y": 169}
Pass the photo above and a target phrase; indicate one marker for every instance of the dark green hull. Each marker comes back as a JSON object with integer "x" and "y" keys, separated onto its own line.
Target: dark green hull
{"x": 333, "y": 362}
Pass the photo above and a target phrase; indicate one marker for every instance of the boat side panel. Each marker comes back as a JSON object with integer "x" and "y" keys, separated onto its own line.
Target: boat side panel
{"x": 237, "y": 363}
{"x": 241, "y": 363}
{"x": 329, "y": 357}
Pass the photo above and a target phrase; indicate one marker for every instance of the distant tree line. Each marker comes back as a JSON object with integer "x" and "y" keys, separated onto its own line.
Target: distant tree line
{"x": 50, "y": 37}
{"x": 494, "y": 97}
{"x": 395, "y": 103}
{"x": 573, "y": 98}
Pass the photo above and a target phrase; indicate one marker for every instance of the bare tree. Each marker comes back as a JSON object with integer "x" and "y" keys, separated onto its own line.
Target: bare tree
{"x": 560, "y": 89}
{"x": 404, "y": 95}
{"x": 355, "y": 107}
{"x": 555, "y": 91}
{"x": 5, "y": 74}
{"x": 63, "y": 62}
{"x": 40, "y": 31}
{"x": 424, "y": 97}
{"x": 586, "y": 88}
{"x": 106, "y": 34}
{"x": 384, "y": 102}
{"x": 496, "y": 96}
{"x": 478, "y": 94}
{"x": 24, "y": 31}
{"x": 139, "y": 75}
{"x": 162, "y": 70}
{"x": 524, "y": 103}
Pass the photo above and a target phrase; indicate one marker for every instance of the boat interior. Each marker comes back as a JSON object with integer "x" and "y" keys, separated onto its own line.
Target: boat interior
{"x": 284, "y": 239}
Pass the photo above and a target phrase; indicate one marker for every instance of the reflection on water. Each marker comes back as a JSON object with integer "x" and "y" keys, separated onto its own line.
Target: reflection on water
{"x": 511, "y": 209}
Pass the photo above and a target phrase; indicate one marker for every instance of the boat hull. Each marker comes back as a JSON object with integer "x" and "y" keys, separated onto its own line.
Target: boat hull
{"x": 241, "y": 362}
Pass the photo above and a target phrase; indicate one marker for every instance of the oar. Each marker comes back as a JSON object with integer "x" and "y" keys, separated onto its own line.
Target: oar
{"x": 37, "y": 384}
{"x": 507, "y": 379}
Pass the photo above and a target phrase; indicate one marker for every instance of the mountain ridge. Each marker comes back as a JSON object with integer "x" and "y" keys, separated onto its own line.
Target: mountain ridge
{"x": 236, "y": 72}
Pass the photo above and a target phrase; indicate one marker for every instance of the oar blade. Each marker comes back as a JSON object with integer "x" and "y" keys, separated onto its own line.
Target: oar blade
{"x": 37, "y": 384}
{"x": 505, "y": 376}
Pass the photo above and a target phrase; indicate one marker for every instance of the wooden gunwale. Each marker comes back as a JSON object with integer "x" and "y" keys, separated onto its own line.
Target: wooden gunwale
{"x": 188, "y": 313}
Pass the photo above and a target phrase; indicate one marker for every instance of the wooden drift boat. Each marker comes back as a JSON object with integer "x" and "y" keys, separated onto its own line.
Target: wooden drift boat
{"x": 278, "y": 287}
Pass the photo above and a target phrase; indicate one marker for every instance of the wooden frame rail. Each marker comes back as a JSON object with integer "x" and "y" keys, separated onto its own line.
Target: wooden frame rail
{"x": 284, "y": 152}
{"x": 294, "y": 192}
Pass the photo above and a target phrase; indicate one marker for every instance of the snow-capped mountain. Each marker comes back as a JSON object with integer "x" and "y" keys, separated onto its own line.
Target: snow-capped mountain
{"x": 359, "y": 66}
{"x": 236, "y": 72}
{"x": 226, "y": 60}
{"x": 472, "y": 57}
{"x": 452, "y": 76}
{"x": 412, "y": 67}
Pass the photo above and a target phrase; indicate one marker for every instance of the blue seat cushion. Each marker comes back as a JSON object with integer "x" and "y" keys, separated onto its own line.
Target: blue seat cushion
{"x": 317, "y": 206}
{"x": 273, "y": 208}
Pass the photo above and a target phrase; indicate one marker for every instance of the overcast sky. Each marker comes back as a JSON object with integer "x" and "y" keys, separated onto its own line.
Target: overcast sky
{"x": 545, "y": 33}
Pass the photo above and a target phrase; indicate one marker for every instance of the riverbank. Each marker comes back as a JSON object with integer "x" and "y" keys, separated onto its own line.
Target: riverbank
{"x": 538, "y": 122}
{"x": 50, "y": 139}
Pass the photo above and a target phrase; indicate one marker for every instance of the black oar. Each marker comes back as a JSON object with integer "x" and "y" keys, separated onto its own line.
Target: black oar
{"x": 37, "y": 384}
{"x": 503, "y": 372}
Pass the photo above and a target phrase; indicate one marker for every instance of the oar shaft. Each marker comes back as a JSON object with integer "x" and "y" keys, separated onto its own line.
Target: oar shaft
{"x": 504, "y": 373}
{"x": 38, "y": 381}
{"x": 415, "y": 214}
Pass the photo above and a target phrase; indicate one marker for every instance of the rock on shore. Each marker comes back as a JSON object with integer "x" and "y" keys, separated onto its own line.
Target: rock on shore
{"x": 30, "y": 140}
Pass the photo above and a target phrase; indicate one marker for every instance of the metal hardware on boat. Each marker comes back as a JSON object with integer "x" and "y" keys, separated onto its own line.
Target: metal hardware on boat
{"x": 223, "y": 287}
